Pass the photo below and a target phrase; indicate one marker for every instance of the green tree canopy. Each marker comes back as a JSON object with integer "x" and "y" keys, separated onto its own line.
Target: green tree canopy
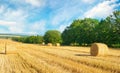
{"x": 34, "y": 39}
{"x": 80, "y": 32}
{"x": 52, "y": 36}
{"x": 109, "y": 30}
{"x": 88, "y": 30}
{"x": 30, "y": 39}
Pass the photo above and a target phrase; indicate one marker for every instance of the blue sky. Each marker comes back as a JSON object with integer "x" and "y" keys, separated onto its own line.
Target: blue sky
{"x": 38, "y": 16}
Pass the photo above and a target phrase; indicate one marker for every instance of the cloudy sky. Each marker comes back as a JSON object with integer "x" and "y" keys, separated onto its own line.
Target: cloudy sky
{"x": 38, "y": 16}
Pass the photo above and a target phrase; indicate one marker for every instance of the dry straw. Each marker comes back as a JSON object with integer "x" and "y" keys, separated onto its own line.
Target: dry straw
{"x": 49, "y": 44}
{"x": 10, "y": 50}
{"x": 99, "y": 49}
{"x": 57, "y": 44}
{"x": 43, "y": 43}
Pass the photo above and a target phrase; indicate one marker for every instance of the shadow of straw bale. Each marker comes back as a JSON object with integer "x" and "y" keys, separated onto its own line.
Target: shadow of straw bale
{"x": 82, "y": 55}
{"x": 2, "y": 53}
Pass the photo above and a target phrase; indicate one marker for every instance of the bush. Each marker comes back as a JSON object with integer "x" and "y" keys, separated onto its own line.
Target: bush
{"x": 52, "y": 36}
{"x": 30, "y": 39}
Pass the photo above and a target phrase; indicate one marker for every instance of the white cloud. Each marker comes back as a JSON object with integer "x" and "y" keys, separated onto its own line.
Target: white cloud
{"x": 36, "y": 3}
{"x": 12, "y": 26}
{"x": 16, "y": 15}
{"x": 7, "y": 23}
{"x": 88, "y": 1}
{"x": 12, "y": 19}
{"x": 64, "y": 14}
{"x": 55, "y": 4}
{"x": 62, "y": 28}
{"x": 28, "y": 3}
{"x": 31, "y": 33}
{"x": 3, "y": 30}
{"x": 1, "y": 9}
{"x": 102, "y": 9}
{"x": 15, "y": 29}
{"x": 38, "y": 26}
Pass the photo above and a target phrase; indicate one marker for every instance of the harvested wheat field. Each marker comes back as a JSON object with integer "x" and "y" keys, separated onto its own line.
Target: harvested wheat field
{"x": 29, "y": 58}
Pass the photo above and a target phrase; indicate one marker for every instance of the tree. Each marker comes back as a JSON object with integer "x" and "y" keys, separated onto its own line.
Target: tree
{"x": 109, "y": 29}
{"x": 87, "y": 34}
{"x": 52, "y": 36}
{"x": 80, "y": 32}
{"x": 39, "y": 39}
{"x": 30, "y": 39}
{"x": 34, "y": 39}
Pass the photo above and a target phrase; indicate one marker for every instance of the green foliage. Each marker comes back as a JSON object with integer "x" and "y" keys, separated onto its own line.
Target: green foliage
{"x": 83, "y": 32}
{"x": 34, "y": 39}
{"x": 80, "y": 31}
{"x": 87, "y": 31}
{"x": 52, "y": 36}
{"x": 109, "y": 30}
{"x": 30, "y": 39}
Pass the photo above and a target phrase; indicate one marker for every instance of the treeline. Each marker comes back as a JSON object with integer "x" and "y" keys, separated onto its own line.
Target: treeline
{"x": 29, "y": 39}
{"x": 87, "y": 31}
{"x": 83, "y": 32}
{"x": 51, "y": 36}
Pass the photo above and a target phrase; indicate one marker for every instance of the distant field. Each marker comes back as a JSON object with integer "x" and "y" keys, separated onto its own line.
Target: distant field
{"x": 10, "y": 35}
{"x": 28, "y": 58}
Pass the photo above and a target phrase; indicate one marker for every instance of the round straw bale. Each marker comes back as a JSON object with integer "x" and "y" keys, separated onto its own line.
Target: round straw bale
{"x": 43, "y": 43}
{"x": 98, "y": 49}
{"x": 49, "y": 44}
{"x": 57, "y": 44}
{"x": 10, "y": 50}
